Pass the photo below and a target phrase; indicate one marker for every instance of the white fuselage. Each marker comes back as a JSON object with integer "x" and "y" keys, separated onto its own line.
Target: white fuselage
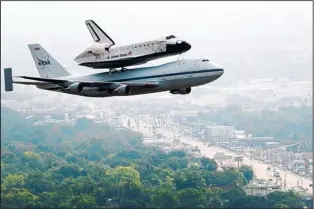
{"x": 171, "y": 76}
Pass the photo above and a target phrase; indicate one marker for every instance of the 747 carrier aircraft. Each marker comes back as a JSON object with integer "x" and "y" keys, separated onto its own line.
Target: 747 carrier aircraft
{"x": 103, "y": 53}
{"x": 176, "y": 77}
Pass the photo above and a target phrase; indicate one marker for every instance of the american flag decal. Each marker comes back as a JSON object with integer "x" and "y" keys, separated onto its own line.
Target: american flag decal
{"x": 36, "y": 48}
{"x": 130, "y": 53}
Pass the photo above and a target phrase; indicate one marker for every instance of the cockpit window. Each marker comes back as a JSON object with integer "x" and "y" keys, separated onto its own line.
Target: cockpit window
{"x": 205, "y": 60}
{"x": 170, "y": 37}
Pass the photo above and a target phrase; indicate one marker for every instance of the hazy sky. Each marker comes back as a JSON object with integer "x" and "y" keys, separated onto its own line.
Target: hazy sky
{"x": 248, "y": 39}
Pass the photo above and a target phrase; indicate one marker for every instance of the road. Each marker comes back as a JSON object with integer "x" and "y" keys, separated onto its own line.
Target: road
{"x": 260, "y": 168}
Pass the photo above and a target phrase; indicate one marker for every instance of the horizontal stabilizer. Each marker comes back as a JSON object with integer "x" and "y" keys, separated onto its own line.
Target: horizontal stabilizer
{"x": 8, "y": 82}
{"x": 150, "y": 84}
{"x": 48, "y": 80}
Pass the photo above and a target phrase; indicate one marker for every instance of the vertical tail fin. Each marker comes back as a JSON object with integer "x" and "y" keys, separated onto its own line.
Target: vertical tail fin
{"x": 97, "y": 33}
{"x": 46, "y": 65}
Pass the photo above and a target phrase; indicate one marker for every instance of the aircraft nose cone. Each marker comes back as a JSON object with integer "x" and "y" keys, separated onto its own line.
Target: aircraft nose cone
{"x": 221, "y": 72}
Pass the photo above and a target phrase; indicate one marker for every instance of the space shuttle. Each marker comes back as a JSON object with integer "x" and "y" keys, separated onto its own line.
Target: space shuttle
{"x": 105, "y": 54}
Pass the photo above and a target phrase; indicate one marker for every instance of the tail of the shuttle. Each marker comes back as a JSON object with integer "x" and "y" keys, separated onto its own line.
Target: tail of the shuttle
{"x": 46, "y": 65}
{"x": 98, "y": 34}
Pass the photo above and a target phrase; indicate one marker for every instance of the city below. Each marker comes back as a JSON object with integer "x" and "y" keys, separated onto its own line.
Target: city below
{"x": 275, "y": 167}
{"x": 163, "y": 119}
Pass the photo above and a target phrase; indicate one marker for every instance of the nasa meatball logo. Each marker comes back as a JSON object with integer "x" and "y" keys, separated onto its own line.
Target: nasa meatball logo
{"x": 43, "y": 64}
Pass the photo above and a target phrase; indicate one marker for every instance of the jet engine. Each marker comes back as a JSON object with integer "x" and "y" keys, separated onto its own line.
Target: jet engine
{"x": 122, "y": 90}
{"x": 98, "y": 48}
{"x": 75, "y": 88}
{"x": 181, "y": 91}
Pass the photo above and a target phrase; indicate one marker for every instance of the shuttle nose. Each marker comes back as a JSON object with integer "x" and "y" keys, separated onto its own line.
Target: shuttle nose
{"x": 185, "y": 45}
{"x": 178, "y": 47}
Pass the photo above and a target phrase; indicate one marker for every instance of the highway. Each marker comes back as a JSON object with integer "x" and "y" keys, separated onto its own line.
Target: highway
{"x": 260, "y": 168}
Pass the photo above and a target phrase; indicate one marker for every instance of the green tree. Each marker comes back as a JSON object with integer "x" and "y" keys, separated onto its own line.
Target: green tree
{"x": 83, "y": 201}
{"x": 247, "y": 172}
{"x": 164, "y": 198}
{"x": 19, "y": 198}
{"x": 290, "y": 199}
{"x": 39, "y": 182}
{"x": 208, "y": 164}
{"x": 14, "y": 180}
{"x": 49, "y": 199}
{"x": 31, "y": 156}
{"x": 191, "y": 197}
{"x": 177, "y": 163}
{"x": 126, "y": 180}
{"x": 189, "y": 178}
{"x": 70, "y": 170}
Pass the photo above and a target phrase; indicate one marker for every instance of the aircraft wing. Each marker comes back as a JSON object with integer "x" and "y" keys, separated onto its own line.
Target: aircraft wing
{"x": 97, "y": 33}
{"x": 29, "y": 83}
{"x": 109, "y": 85}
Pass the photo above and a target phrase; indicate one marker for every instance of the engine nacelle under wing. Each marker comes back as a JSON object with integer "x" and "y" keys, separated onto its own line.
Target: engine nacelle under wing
{"x": 75, "y": 88}
{"x": 122, "y": 90}
{"x": 181, "y": 91}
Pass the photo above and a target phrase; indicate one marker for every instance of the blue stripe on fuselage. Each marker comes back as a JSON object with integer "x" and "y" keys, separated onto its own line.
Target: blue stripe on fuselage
{"x": 167, "y": 74}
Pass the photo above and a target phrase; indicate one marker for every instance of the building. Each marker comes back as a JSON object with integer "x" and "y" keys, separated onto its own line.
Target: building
{"x": 240, "y": 134}
{"x": 259, "y": 141}
{"x": 116, "y": 120}
{"x": 218, "y": 133}
{"x": 50, "y": 121}
{"x": 308, "y": 155}
{"x": 302, "y": 192}
{"x": 259, "y": 187}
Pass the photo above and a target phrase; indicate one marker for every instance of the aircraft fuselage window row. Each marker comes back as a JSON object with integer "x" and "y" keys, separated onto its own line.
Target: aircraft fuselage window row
{"x": 134, "y": 47}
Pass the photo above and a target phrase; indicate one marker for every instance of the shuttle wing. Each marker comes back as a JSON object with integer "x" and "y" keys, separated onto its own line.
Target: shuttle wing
{"x": 120, "y": 59}
{"x": 124, "y": 59}
{"x": 108, "y": 85}
{"x": 97, "y": 33}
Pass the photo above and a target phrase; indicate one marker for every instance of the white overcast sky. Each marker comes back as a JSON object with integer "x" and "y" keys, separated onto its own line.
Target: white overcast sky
{"x": 248, "y": 39}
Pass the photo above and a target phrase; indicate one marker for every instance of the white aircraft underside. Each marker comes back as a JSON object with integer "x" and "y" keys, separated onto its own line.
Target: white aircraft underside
{"x": 103, "y": 53}
{"x": 166, "y": 83}
{"x": 177, "y": 77}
